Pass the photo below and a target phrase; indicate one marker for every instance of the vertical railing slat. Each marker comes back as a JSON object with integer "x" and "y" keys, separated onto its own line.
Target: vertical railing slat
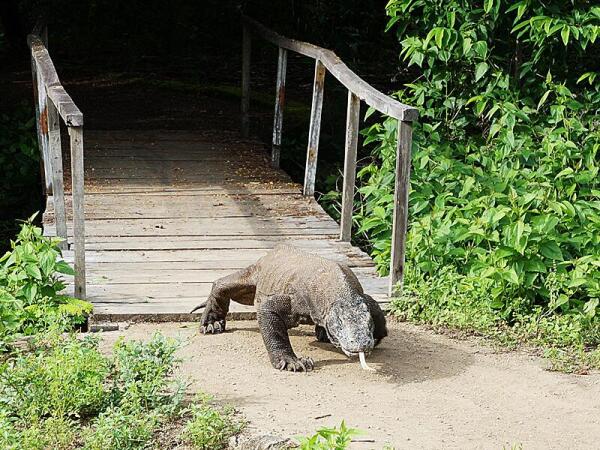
{"x": 352, "y": 124}
{"x": 279, "y": 105}
{"x": 246, "y": 51}
{"x": 77, "y": 190}
{"x": 315, "y": 129}
{"x": 400, "y": 219}
{"x": 56, "y": 165}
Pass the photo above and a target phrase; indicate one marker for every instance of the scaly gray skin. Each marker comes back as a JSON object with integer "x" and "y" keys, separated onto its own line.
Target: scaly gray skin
{"x": 290, "y": 287}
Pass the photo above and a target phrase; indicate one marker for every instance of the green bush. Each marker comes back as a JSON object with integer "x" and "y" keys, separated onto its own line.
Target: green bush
{"x": 122, "y": 429}
{"x": 504, "y": 187}
{"x": 67, "y": 394}
{"x": 65, "y": 381}
{"x": 329, "y": 438}
{"x": 30, "y": 287}
{"x": 209, "y": 428}
{"x": 19, "y": 156}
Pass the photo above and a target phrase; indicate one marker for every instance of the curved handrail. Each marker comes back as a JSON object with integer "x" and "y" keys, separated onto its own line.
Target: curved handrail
{"x": 358, "y": 89}
{"x": 67, "y": 109}
{"x": 339, "y": 70}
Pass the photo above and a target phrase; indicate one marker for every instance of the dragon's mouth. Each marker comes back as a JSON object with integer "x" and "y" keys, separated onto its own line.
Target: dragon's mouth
{"x": 350, "y": 354}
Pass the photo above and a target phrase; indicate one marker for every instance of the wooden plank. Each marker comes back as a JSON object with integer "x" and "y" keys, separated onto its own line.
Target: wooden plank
{"x": 35, "y": 84}
{"x": 400, "y": 220}
{"x": 352, "y": 125}
{"x": 246, "y": 52}
{"x": 234, "y": 258}
{"x": 100, "y": 274}
{"x": 338, "y": 69}
{"x": 58, "y": 191}
{"x": 279, "y": 105}
{"x": 49, "y": 79}
{"x": 77, "y": 174}
{"x": 196, "y": 243}
{"x": 315, "y": 130}
{"x": 43, "y": 135}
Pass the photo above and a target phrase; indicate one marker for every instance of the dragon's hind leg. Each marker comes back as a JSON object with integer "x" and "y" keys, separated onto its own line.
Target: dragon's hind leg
{"x": 239, "y": 287}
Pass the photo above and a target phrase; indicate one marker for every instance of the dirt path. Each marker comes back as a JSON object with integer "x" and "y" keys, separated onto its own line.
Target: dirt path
{"x": 430, "y": 391}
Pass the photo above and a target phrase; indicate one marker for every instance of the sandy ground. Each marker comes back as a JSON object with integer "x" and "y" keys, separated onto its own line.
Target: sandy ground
{"x": 430, "y": 391}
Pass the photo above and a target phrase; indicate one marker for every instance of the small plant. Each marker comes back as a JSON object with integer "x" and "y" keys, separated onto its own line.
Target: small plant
{"x": 209, "y": 428}
{"x": 67, "y": 393}
{"x": 329, "y": 438}
{"x": 122, "y": 429}
{"x": 31, "y": 298}
{"x": 65, "y": 381}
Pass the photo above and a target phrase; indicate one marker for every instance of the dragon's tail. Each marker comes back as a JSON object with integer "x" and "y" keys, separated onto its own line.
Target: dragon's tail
{"x": 200, "y": 306}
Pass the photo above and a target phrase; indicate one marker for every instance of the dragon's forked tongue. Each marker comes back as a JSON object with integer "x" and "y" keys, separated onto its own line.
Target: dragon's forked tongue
{"x": 363, "y": 362}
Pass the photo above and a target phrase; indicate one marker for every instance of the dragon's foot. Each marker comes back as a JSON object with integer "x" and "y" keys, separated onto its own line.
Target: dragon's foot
{"x": 294, "y": 364}
{"x": 212, "y": 324}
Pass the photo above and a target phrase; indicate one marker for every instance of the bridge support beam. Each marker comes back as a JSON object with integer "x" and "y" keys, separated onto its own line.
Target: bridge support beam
{"x": 400, "y": 219}
{"x": 314, "y": 131}
{"x": 352, "y": 124}
{"x": 279, "y": 105}
{"x": 77, "y": 189}
{"x": 56, "y": 167}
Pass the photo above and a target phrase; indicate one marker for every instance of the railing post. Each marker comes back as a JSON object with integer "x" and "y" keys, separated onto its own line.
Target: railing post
{"x": 77, "y": 192}
{"x": 246, "y": 51}
{"x": 41, "y": 122}
{"x": 279, "y": 104}
{"x": 402, "y": 185}
{"x": 315, "y": 129}
{"x": 352, "y": 124}
{"x": 56, "y": 165}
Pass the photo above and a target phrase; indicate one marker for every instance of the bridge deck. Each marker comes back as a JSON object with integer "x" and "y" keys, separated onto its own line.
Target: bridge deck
{"x": 168, "y": 212}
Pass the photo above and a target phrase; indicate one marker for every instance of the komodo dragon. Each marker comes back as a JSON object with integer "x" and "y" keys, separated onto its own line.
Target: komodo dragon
{"x": 289, "y": 287}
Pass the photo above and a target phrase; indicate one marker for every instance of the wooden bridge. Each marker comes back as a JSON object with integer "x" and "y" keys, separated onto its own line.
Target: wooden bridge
{"x": 151, "y": 218}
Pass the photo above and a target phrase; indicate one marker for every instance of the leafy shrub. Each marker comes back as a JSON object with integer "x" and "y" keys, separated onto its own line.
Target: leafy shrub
{"x": 30, "y": 286}
{"x": 65, "y": 381}
{"x": 142, "y": 370}
{"x": 19, "y": 156}
{"x": 504, "y": 187}
{"x": 209, "y": 428}
{"x": 122, "y": 429}
{"x": 329, "y": 438}
{"x": 48, "y": 395}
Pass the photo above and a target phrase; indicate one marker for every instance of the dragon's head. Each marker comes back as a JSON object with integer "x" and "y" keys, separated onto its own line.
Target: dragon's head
{"x": 351, "y": 326}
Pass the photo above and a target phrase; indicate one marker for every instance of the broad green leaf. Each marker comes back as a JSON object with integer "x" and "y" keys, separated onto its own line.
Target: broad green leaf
{"x": 64, "y": 267}
{"x": 551, "y": 250}
{"x": 565, "y": 34}
{"x": 480, "y": 70}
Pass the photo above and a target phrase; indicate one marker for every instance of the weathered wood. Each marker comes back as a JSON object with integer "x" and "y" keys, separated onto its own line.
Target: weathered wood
{"x": 36, "y": 84}
{"x": 154, "y": 249}
{"x": 400, "y": 220}
{"x": 56, "y": 163}
{"x": 42, "y": 126}
{"x": 279, "y": 105}
{"x": 314, "y": 132}
{"x": 77, "y": 189}
{"x": 352, "y": 124}
{"x": 246, "y": 54}
{"x": 68, "y": 110}
{"x": 46, "y": 73}
{"x": 338, "y": 69}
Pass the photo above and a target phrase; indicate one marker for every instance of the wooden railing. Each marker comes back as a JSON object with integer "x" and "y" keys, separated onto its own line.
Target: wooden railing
{"x": 52, "y": 103}
{"x": 358, "y": 89}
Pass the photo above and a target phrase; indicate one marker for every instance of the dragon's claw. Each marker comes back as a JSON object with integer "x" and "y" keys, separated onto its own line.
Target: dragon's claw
{"x": 294, "y": 364}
